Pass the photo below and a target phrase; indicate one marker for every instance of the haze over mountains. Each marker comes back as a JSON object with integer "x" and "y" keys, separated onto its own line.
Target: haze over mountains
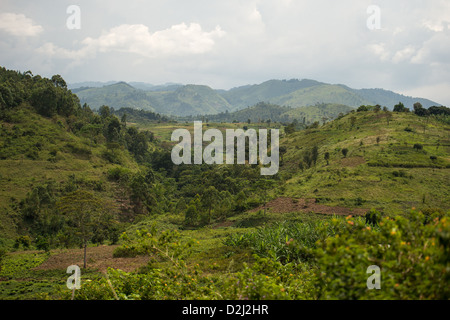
{"x": 186, "y": 100}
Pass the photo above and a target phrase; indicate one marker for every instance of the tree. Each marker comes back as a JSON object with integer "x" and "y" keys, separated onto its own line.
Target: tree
{"x": 315, "y": 154}
{"x": 327, "y": 157}
{"x": 263, "y": 186}
{"x": 362, "y": 108}
{"x": 83, "y": 212}
{"x": 344, "y": 152}
{"x": 419, "y": 110}
{"x": 307, "y": 158}
{"x": 123, "y": 119}
{"x": 44, "y": 100}
{"x": 353, "y": 121}
{"x": 104, "y": 112}
{"x": 191, "y": 214}
{"x": 210, "y": 197}
{"x": 388, "y": 117}
{"x": 400, "y": 107}
{"x": 58, "y": 81}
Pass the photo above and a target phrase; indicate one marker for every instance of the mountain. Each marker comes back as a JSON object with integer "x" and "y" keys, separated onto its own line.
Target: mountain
{"x": 173, "y": 100}
{"x": 118, "y": 95}
{"x": 249, "y": 95}
{"x": 389, "y": 98}
{"x": 186, "y": 100}
{"x": 89, "y": 84}
{"x": 299, "y": 93}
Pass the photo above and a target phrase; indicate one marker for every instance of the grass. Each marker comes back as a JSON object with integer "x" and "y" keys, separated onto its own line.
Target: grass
{"x": 369, "y": 170}
{"x": 56, "y": 156}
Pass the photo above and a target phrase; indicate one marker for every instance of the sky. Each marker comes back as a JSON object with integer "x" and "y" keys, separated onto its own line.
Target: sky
{"x": 399, "y": 45}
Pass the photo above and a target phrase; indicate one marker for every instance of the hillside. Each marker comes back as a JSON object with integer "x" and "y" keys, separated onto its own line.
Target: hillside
{"x": 186, "y": 100}
{"x": 117, "y": 95}
{"x": 262, "y": 112}
{"x": 382, "y": 168}
{"x": 171, "y": 100}
{"x": 100, "y": 190}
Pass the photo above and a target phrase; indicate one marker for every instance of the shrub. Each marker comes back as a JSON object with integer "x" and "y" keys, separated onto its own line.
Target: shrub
{"x": 413, "y": 257}
{"x": 119, "y": 174}
{"x": 373, "y": 217}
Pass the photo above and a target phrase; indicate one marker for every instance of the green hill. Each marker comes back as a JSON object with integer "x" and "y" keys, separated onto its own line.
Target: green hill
{"x": 180, "y": 101}
{"x": 262, "y": 112}
{"x": 245, "y": 96}
{"x": 118, "y": 95}
{"x": 382, "y": 169}
{"x": 321, "y": 112}
{"x": 186, "y": 100}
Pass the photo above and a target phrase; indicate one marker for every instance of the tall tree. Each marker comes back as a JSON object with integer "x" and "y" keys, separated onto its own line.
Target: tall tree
{"x": 83, "y": 212}
{"x": 209, "y": 198}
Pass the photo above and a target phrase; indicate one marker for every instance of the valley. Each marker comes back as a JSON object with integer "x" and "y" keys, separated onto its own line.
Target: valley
{"x": 357, "y": 185}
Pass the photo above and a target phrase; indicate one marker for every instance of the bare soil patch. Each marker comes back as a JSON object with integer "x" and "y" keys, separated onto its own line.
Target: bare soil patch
{"x": 285, "y": 205}
{"x": 99, "y": 258}
{"x": 352, "y": 162}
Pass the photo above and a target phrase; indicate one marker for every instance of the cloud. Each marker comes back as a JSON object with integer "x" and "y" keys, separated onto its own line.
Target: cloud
{"x": 403, "y": 54}
{"x": 19, "y": 25}
{"x": 180, "y": 39}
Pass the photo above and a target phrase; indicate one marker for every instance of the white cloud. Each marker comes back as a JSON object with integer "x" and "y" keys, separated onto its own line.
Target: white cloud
{"x": 380, "y": 50}
{"x": 403, "y": 54}
{"x": 19, "y": 25}
{"x": 180, "y": 39}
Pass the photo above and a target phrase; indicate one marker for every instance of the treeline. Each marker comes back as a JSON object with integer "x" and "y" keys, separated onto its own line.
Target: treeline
{"x": 261, "y": 112}
{"x": 51, "y": 98}
{"x": 418, "y": 109}
{"x": 137, "y": 115}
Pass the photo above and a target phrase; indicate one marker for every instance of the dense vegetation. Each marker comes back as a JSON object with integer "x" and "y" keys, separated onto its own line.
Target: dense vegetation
{"x": 71, "y": 177}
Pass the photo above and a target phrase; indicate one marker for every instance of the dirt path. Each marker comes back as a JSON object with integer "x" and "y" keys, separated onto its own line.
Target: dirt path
{"x": 99, "y": 258}
{"x": 284, "y": 205}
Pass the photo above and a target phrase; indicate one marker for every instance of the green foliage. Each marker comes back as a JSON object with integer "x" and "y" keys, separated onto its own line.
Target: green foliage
{"x": 166, "y": 245}
{"x": 373, "y": 217}
{"x": 400, "y": 107}
{"x": 286, "y": 241}
{"x": 412, "y": 255}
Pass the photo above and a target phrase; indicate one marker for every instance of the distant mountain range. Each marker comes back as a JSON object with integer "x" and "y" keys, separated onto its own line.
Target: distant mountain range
{"x": 186, "y": 100}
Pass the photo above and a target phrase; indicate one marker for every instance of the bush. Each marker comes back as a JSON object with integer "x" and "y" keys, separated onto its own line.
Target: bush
{"x": 373, "y": 217}
{"x": 413, "y": 257}
{"x": 119, "y": 174}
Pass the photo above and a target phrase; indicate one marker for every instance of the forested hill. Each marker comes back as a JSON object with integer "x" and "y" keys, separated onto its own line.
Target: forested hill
{"x": 51, "y": 148}
{"x": 186, "y": 100}
{"x": 267, "y": 112}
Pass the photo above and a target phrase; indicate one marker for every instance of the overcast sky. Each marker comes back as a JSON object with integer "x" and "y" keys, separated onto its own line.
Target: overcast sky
{"x": 229, "y": 43}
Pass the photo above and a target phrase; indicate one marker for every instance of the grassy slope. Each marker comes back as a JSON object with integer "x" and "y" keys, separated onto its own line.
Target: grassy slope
{"x": 345, "y": 180}
{"x": 320, "y": 94}
{"x": 24, "y": 166}
{"x": 317, "y": 112}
